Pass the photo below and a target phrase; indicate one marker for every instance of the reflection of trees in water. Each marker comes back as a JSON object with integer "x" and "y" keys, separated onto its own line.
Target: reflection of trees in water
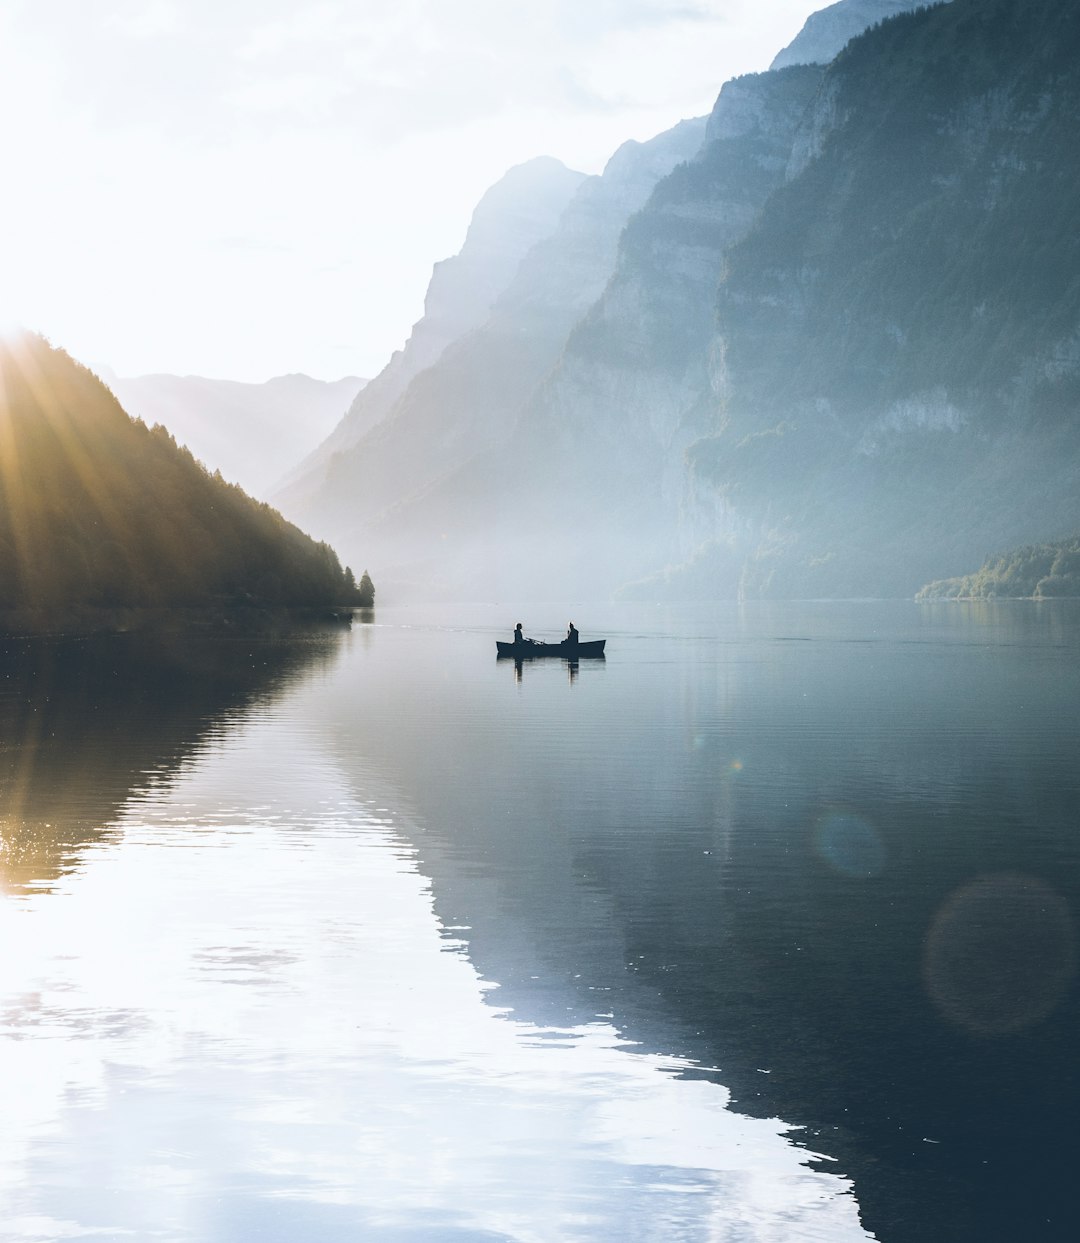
{"x": 85, "y": 722}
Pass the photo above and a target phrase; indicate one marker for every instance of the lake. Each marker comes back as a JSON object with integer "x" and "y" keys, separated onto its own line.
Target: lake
{"x": 761, "y": 928}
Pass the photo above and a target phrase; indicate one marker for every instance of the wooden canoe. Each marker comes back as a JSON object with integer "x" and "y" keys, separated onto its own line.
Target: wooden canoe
{"x": 568, "y": 651}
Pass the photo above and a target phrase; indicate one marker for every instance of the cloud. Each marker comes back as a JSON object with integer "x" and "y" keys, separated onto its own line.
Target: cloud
{"x": 141, "y": 21}
{"x": 317, "y": 134}
{"x": 204, "y": 70}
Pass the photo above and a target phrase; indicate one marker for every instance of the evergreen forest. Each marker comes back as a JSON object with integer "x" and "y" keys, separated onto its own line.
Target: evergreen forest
{"x": 99, "y": 511}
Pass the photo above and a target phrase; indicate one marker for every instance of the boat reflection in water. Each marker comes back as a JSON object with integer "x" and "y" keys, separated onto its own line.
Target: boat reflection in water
{"x": 570, "y": 651}
{"x": 569, "y": 660}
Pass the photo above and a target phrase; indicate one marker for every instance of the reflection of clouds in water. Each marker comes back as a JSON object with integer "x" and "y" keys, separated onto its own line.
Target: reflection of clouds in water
{"x": 366, "y": 1084}
{"x": 1000, "y": 953}
{"x": 849, "y": 844}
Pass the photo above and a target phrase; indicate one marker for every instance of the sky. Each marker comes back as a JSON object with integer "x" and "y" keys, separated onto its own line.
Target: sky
{"x": 248, "y": 188}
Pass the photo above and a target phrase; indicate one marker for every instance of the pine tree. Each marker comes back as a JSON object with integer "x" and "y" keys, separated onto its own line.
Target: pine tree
{"x": 366, "y": 591}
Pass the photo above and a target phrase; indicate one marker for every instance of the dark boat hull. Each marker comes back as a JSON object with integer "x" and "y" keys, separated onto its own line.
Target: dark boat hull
{"x": 568, "y": 651}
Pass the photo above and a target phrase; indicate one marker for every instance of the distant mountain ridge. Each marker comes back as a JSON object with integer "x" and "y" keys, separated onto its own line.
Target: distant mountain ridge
{"x": 252, "y": 433}
{"x": 470, "y": 398}
{"x": 519, "y": 210}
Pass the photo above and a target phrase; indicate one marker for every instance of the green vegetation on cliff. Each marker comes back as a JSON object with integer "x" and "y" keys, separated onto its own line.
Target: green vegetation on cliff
{"x": 99, "y": 511}
{"x": 1040, "y": 571}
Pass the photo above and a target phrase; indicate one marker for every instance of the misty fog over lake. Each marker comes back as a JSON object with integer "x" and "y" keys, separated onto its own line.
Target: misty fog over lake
{"x": 759, "y": 928}
{"x": 336, "y": 905}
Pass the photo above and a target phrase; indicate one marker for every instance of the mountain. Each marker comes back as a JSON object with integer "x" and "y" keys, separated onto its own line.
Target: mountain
{"x": 252, "y": 433}
{"x": 900, "y": 361}
{"x": 564, "y": 445}
{"x": 470, "y": 398}
{"x": 519, "y": 210}
{"x": 883, "y": 382}
{"x": 607, "y": 435}
{"x": 98, "y": 511}
{"x": 609, "y": 428}
{"x": 579, "y": 490}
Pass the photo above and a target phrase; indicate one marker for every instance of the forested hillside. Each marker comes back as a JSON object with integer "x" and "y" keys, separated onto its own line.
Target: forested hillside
{"x": 1040, "y": 572}
{"x": 98, "y": 510}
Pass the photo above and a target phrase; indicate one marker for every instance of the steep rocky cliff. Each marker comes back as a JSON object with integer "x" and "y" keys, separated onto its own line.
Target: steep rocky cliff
{"x": 834, "y": 352}
{"x": 883, "y": 380}
{"x": 898, "y": 333}
{"x": 522, "y": 208}
{"x": 591, "y": 489}
{"x": 468, "y": 401}
{"x": 610, "y": 427}
{"x": 561, "y": 426}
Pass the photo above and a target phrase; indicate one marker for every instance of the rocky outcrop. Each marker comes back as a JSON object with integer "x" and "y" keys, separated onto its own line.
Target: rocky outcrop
{"x": 636, "y": 375}
{"x": 597, "y": 462}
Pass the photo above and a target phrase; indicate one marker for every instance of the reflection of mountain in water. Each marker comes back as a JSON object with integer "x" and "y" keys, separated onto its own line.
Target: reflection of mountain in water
{"x": 85, "y": 723}
{"x": 841, "y": 872}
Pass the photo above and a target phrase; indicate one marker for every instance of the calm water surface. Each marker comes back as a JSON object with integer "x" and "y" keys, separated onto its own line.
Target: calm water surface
{"x": 763, "y": 928}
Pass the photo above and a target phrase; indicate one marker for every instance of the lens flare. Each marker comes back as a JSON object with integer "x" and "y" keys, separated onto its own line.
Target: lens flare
{"x": 850, "y": 845}
{"x": 1000, "y": 954}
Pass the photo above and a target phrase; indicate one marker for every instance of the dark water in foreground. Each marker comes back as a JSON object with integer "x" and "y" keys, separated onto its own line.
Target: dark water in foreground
{"x": 763, "y": 928}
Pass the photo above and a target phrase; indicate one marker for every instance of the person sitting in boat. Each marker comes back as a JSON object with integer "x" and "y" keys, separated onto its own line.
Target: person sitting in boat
{"x": 519, "y": 638}
{"x": 572, "y": 634}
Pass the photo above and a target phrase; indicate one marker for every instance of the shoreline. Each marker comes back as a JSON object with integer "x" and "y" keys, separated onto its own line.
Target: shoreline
{"x": 85, "y": 621}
